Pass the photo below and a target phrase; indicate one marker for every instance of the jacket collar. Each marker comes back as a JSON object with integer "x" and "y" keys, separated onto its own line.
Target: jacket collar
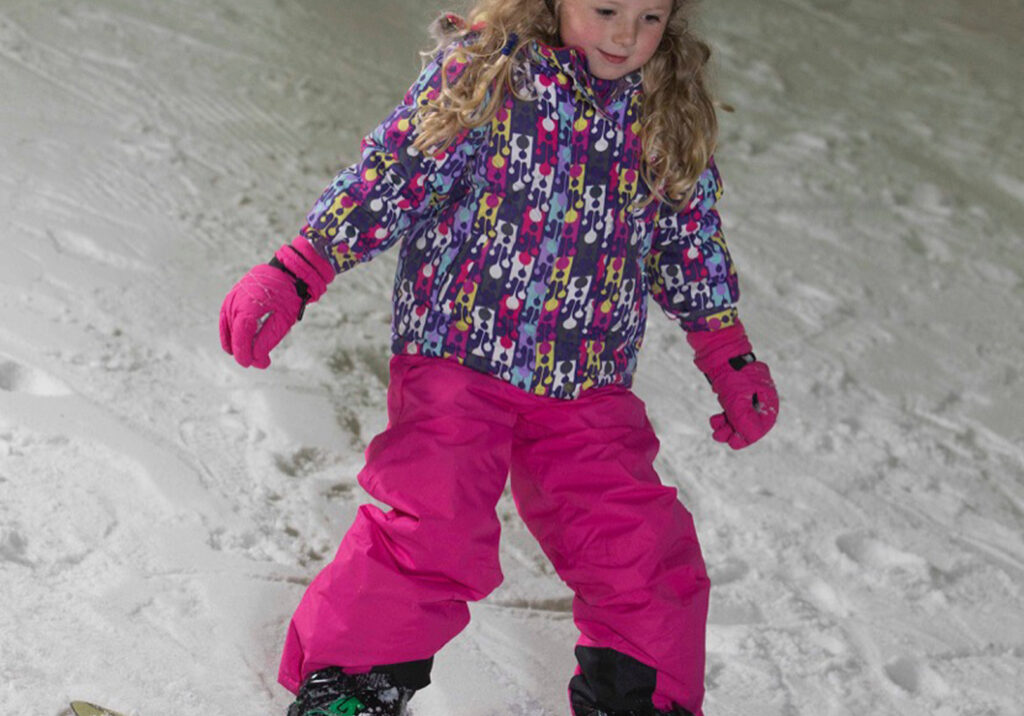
{"x": 572, "y": 62}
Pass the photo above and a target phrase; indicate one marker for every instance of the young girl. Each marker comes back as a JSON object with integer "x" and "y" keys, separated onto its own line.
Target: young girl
{"x": 550, "y": 169}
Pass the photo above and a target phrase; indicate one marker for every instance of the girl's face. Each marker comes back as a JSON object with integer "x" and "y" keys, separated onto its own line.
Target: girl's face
{"x": 618, "y": 36}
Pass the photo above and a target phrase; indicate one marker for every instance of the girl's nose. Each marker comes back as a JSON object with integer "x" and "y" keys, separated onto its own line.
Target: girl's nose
{"x": 624, "y": 34}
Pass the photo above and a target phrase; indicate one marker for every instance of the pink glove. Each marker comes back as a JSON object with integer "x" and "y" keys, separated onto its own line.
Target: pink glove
{"x": 743, "y": 384}
{"x": 262, "y": 307}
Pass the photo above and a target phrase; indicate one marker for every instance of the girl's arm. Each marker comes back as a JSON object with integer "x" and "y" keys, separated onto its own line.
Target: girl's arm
{"x": 393, "y": 186}
{"x": 689, "y": 269}
{"x": 693, "y": 279}
{"x": 367, "y": 207}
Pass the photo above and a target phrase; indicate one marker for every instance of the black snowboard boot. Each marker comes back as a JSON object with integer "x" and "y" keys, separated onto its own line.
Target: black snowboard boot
{"x": 614, "y": 684}
{"x": 332, "y": 691}
{"x": 585, "y": 711}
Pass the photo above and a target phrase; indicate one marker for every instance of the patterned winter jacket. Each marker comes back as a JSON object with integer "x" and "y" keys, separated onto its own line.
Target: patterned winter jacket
{"x": 523, "y": 252}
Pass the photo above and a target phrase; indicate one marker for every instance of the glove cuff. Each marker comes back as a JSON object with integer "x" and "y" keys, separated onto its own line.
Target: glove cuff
{"x": 724, "y": 349}
{"x": 303, "y": 262}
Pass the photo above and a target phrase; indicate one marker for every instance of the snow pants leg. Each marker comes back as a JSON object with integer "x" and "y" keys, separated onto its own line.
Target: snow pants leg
{"x": 583, "y": 480}
{"x": 584, "y": 483}
{"x": 398, "y": 587}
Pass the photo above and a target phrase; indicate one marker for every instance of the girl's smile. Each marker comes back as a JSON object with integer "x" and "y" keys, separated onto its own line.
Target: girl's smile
{"x": 614, "y": 59}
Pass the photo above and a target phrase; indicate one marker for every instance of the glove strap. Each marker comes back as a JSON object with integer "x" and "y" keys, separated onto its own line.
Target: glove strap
{"x": 742, "y": 361}
{"x": 736, "y": 363}
{"x": 301, "y": 287}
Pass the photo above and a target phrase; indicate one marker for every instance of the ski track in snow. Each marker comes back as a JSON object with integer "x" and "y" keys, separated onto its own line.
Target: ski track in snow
{"x": 161, "y": 510}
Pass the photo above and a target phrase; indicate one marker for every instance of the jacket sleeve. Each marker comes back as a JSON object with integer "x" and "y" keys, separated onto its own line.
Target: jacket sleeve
{"x": 689, "y": 269}
{"x": 393, "y": 188}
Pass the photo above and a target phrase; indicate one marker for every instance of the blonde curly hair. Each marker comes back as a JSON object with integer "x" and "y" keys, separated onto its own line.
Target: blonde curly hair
{"x": 679, "y": 129}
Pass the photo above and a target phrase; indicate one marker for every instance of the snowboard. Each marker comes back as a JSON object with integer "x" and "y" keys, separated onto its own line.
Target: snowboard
{"x": 82, "y": 708}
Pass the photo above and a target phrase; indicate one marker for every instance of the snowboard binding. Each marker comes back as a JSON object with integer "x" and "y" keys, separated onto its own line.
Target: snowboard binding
{"x": 332, "y": 692}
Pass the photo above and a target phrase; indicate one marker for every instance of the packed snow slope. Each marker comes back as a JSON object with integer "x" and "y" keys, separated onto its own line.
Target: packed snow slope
{"x": 162, "y": 509}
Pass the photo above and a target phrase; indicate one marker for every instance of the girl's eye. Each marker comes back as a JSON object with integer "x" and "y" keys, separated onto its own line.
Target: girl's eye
{"x": 653, "y": 19}
{"x": 605, "y": 12}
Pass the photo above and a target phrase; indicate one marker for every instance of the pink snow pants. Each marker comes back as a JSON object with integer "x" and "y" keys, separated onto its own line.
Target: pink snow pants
{"x": 583, "y": 482}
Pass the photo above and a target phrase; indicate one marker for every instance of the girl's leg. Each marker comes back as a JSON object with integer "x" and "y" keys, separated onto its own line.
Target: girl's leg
{"x": 397, "y": 589}
{"x": 583, "y": 480}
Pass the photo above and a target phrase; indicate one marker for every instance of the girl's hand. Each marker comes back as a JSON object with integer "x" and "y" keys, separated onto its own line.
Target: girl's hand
{"x": 743, "y": 384}
{"x": 261, "y": 308}
{"x": 257, "y": 313}
{"x": 751, "y": 405}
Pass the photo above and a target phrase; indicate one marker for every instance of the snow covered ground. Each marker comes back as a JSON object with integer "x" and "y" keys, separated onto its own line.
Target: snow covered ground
{"x": 162, "y": 509}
